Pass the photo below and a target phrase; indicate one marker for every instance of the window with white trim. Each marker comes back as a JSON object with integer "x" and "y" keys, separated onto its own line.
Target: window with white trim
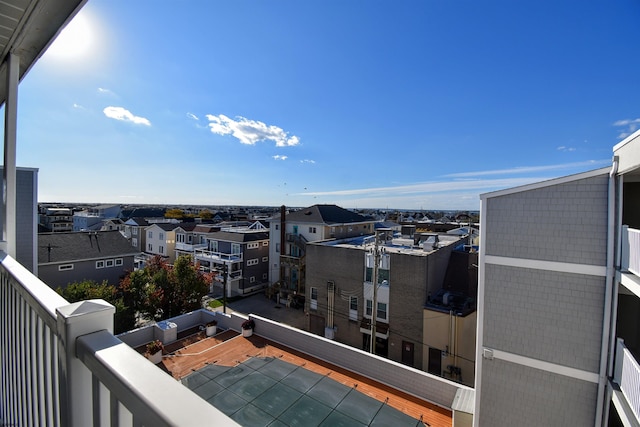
{"x": 353, "y": 308}
{"x": 265, "y": 259}
{"x": 161, "y": 250}
{"x": 235, "y": 248}
{"x": 109, "y": 263}
{"x": 134, "y": 231}
{"x": 264, "y": 276}
{"x": 161, "y": 236}
{"x": 382, "y": 311}
{"x": 252, "y": 279}
{"x": 265, "y": 243}
{"x": 312, "y": 230}
{"x": 253, "y": 245}
{"x": 118, "y": 262}
{"x": 134, "y": 242}
{"x": 150, "y": 247}
{"x": 65, "y": 267}
{"x": 100, "y": 264}
{"x": 251, "y": 262}
{"x": 314, "y": 299}
{"x": 150, "y": 235}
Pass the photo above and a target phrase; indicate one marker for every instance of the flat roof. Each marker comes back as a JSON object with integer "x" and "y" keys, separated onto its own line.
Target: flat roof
{"x": 250, "y": 380}
{"x": 400, "y": 245}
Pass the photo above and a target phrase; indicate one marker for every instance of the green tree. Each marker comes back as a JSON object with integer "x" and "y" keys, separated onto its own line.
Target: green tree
{"x": 124, "y": 319}
{"x": 205, "y": 214}
{"x": 160, "y": 291}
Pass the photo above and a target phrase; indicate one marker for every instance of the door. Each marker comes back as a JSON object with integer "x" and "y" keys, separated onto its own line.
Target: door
{"x": 407, "y": 353}
{"x": 435, "y": 361}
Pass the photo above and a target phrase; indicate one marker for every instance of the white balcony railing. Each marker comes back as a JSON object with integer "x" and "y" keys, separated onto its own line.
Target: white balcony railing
{"x": 60, "y": 365}
{"x": 206, "y": 255}
{"x": 627, "y": 376}
{"x": 630, "y": 260}
{"x": 189, "y": 247}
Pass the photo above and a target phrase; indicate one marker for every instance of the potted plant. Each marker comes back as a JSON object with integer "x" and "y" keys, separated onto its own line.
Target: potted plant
{"x": 154, "y": 351}
{"x": 211, "y": 327}
{"x": 247, "y": 327}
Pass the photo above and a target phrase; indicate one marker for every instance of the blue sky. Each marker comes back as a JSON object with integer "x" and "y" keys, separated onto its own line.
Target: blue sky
{"x": 403, "y": 104}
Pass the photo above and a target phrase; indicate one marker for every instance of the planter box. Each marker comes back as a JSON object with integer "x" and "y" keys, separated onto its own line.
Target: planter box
{"x": 247, "y": 332}
{"x": 156, "y": 357}
{"x": 211, "y": 330}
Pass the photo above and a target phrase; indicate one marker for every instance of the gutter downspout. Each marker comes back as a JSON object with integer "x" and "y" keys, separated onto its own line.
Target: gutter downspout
{"x": 608, "y": 298}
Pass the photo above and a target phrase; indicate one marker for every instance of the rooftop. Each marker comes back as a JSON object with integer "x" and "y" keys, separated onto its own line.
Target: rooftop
{"x": 256, "y": 378}
{"x": 421, "y": 244}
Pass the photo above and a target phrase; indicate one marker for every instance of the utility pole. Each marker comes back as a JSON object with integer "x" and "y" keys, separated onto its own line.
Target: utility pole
{"x": 224, "y": 288}
{"x": 374, "y": 305}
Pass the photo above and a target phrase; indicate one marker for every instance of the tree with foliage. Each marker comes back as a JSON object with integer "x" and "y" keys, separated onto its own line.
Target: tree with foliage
{"x": 79, "y": 291}
{"x": 174, "y": 213}
{"x": 160, "y": 291}
{"x": 205, "y": 214}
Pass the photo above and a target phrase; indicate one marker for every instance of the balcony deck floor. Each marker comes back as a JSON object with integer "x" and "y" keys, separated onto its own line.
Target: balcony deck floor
{"x": 229, "y": 348}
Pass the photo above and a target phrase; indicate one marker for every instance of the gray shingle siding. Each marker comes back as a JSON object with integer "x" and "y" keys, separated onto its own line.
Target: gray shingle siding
{"x": 516, "y": 395}
{"x": 546, "y": 315}
{"x": 564, "y": 223}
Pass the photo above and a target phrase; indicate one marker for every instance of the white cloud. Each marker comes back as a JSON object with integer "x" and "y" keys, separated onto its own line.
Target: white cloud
{"x": 192, "y": 116}
{"x": 307, "y": 161}
{"x": 563, "y": 148}
{"x": 279, "y": 157}
{"x": 630, "y": 125}
{"x": 251, "y": 131}
{"x": 530, "y": 169}
{"x": 104, "y": 91}
{"x": 78, "y": 106}
{"x": 119, "y": 113}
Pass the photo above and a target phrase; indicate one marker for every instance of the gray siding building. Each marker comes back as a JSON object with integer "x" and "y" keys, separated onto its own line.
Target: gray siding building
{"x": 542, "y": 302}
{"x": 65, "y": 258}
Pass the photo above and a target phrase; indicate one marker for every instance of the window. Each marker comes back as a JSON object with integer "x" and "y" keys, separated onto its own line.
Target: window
{"x": 109, "y": 263}
{"x": 134, "y": 231}
{"x": 118, "y": 261}
{"x": 369, "y": 304}
{"x": 150, "y": 247}
{"x": 213, "y": 245}
{"x": 382, "y": 311}
{"x": 312, "y": 230}
{"x": 189, "y": 239}
{"x": 277, "y": 226}
{"x": 65, "y": 267}
{"x": 264, "y": 276}
{"x": 314, "y": 299}
{"x": 134, "y": 242}
{"x": 235, "y": 248}
{"x": 161, "y": 249}
{"x": 253, "y": 245}
{"x": 252, "y": 262}
{"x": 150, "y": 235}
{"x": 180, "y": 238}
{"x": 265, "y": 243}
{"x": 252, "y": 279}
{"x": 277, "y": 247}
{"x": 353, "y": 308}
{"x": 161, "y": 236}
{"x": 265, "y": 259}
{"x": 99, "y": 264}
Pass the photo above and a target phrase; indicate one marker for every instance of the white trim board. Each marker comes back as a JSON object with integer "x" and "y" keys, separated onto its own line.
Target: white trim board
{"x": 553, "y": 368}
{"x": 562, "y": 267}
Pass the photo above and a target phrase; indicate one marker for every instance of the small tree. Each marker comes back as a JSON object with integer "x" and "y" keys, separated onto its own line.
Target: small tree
{"x": 159, "y": 291}
{"x": 174, "y": 213}
{"x": 124, "y": 319}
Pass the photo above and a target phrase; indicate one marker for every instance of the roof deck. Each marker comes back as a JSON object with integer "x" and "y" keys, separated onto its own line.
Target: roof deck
{"x": 228, "y": 349}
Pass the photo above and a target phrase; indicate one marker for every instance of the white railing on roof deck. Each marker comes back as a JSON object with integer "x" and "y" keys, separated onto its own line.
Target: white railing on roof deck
{"x": 630, "y": 250}
{"x": 60, "y": 365}
{"x": 627, "y": 376}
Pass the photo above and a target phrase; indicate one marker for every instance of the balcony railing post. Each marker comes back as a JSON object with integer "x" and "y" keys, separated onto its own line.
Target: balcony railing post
{"x": 75, "y": 320}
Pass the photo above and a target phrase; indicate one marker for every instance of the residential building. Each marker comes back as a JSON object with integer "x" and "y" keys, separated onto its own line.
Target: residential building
{"x": 161, "y": 240}
{"x": 134, "y": 232}
{"x": 240, "y": 255}
{"x": 69, "y": 257}
{"x": 189, "y": 237}
{"x": 292, "y": 231}
{"x": 56, "y": 219}
{"x": 26, "y": 221}
{"x": 113, "y": 224}
{"x": 559, "y": 299}
{"x": 93, "y": 217}
{"x": 340, "y": 291}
